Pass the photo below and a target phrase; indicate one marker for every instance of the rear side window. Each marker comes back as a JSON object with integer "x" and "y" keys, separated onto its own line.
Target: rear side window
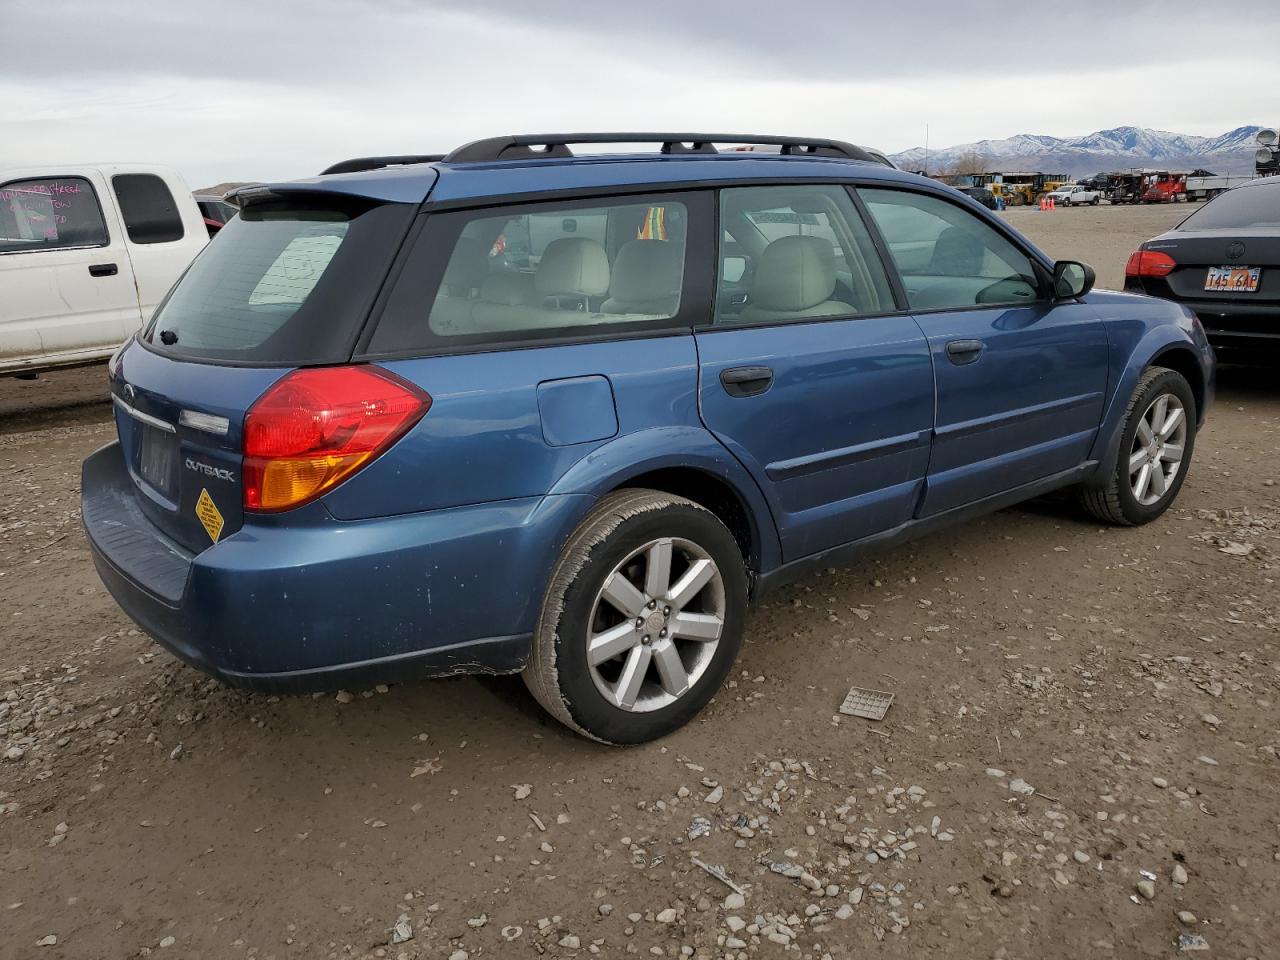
{"x": 50, "y": 214}
{"x": 587, "y": 268}
{"x": 150, "y": 213}
{"x": 947, "y": 257}
{"x": 288, "y": 282}
{"x": 1244, "y": 207}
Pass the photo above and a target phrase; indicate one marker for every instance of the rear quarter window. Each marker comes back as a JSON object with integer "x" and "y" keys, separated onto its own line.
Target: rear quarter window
{"x": 594, "y": 269}
{"x": 288, "y": 283}
{"x": 150, "y": 213}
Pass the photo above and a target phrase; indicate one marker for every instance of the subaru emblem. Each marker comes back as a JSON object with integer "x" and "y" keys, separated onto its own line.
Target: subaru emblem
{"x": 129, "y": 393}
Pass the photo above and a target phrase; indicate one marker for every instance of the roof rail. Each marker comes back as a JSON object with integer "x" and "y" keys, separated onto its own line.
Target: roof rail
{"x": 544, "y": 145}
{"x": 377, "y": 163}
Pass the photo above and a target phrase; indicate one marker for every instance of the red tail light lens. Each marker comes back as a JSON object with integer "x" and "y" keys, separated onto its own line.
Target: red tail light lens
{"x": 1149, "y": 263}
{"x": 317, "y": 426}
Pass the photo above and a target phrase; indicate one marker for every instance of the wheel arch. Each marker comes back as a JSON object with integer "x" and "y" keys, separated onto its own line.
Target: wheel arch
{"x": 687, "y": 462}
{"x": 712, "y": 492}
{"x": 1164, "y": 345}
{"x": 1182, "y": 358}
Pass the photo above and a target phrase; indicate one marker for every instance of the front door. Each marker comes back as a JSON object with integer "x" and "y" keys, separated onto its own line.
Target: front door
{"x": 806, "y": 373}
{"x": 65, "y": 272}
{"x": 1020, "y": 377}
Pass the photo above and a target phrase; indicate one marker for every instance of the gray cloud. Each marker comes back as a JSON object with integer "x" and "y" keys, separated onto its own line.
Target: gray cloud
{"x": 331, "y": 42}
{"x": 276, "y": 88}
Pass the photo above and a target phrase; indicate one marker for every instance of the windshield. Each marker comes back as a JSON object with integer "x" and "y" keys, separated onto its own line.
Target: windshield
{"x": 284, "y": 282}
{"x": 1248, "y": 206}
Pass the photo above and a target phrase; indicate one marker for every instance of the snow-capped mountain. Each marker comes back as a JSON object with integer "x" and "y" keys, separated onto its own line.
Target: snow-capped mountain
{"x": 1115, "y": 149}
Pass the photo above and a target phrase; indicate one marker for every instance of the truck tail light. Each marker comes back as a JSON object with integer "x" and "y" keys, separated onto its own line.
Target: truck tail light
{"x": 1149, "y": 263}
{"x": 317, "y": 426}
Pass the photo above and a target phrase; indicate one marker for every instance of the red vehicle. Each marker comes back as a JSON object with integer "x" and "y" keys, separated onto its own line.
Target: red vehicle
{"x": 1164, "y": 187}
{"x": 216, "y": 212}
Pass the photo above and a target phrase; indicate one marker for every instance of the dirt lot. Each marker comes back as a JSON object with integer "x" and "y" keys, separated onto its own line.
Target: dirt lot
{"x": 1079, "y": 712}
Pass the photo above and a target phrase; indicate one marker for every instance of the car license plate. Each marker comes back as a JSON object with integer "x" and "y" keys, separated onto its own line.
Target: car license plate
{"x": 1233, "y": 279}
{"x": 156, "y": 460}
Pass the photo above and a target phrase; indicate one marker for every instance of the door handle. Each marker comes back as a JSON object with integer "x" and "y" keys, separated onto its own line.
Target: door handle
{"x": 961, "y": 352}
{"x": 746, "y": 381}
{"x": 103, "y": 269}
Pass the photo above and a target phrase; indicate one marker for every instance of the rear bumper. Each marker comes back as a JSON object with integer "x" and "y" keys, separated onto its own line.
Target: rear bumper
{"x": 303, "y": 602}
{"x": 1238, "y": 324}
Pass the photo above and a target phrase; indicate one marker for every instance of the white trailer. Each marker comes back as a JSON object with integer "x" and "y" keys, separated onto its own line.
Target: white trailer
{"x": 1206, "y": 188}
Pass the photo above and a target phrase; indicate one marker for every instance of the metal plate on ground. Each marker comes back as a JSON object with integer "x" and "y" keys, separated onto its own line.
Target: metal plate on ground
{"x": 871, "y": 704}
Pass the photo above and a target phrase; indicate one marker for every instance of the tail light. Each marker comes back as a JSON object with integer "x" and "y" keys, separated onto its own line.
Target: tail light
{"x": 318, "y": 426}
{"x": 1149, "y": 263}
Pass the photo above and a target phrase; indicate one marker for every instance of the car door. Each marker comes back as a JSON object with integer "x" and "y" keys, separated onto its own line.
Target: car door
{"x": 65, "y": 272}
{"x": 162, "y": 237}
{"x": 808, "y": 374}
{"x": 1020, "y": 377}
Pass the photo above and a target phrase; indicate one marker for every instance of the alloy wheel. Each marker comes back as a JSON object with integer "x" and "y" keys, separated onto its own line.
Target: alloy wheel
{"x": 1156, "y": 455}
{"x": 655, "y": 625}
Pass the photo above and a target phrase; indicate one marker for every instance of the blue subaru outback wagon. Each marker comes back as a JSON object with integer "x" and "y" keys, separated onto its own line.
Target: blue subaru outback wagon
{"x": 516, "y": 409}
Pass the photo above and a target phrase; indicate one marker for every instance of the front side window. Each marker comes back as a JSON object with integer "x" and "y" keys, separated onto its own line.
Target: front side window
{"x": 150, "y": 213}
{"x": 796, "y": 253}
{"x": 50, "y": 214}
{"x": 540, "y": 271}
{"x": 948, "y": 258}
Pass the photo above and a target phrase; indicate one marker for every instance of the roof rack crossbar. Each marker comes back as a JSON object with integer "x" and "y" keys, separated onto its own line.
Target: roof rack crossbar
{"x": 543, "y": 145}
{"x": 377, "y": 163}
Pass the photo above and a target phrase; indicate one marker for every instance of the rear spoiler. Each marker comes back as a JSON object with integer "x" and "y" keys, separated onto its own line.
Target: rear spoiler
{"x": 381, "y": 189}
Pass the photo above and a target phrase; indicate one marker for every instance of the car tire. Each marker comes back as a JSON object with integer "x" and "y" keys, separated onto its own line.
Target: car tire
{"x": 1147, "y": 476}
{"x": 1093, "y": 202}
{"x": 614, "y": 591}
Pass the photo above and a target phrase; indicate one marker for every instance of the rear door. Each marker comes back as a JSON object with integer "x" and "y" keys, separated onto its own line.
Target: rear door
{"x": 807, "y": 373}
{"x": 163, "y": 235}
{"x": 1020, "y": 378}
{"x": 64, "y": 269}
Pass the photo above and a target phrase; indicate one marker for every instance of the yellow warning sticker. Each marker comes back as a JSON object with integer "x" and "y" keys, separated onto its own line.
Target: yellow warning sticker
{"x": 209, "y": 516}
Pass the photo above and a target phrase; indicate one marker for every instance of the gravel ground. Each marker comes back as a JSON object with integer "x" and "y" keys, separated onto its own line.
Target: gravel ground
{"x": 1080, "y": 760}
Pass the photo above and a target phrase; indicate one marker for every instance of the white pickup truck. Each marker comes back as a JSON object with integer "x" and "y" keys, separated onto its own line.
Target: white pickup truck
{"x": 86, "y": 254}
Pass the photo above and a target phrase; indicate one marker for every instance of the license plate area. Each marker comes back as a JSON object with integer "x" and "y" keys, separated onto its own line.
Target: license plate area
{"x": 1233, "y": 279}
{"x": 155, "y": 458}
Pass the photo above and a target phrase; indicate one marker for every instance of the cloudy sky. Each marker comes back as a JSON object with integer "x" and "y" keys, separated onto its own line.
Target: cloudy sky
{"x": 272, "y": 89}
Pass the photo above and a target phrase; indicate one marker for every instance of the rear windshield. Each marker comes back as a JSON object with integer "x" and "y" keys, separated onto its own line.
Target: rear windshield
{"x": 1247, "y": 206}
{"x": 282, "y": 283}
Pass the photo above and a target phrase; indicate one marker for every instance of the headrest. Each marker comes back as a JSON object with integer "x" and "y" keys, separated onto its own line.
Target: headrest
{"x": 647, "y": 270}
{"x": 508, "y": 289}
{"x": 957, "y": 253}
{"x": 469, "y": 264}
{"x": 573, "y": 266}
{"x": 795, "y": 273}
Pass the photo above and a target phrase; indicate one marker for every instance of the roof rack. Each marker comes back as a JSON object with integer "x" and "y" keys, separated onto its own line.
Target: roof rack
{"x": 377, "y": 163}
{"x": 545, "y": 145}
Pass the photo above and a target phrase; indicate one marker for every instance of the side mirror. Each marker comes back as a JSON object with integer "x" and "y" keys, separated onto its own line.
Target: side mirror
{"x": 1072, "y": 279}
